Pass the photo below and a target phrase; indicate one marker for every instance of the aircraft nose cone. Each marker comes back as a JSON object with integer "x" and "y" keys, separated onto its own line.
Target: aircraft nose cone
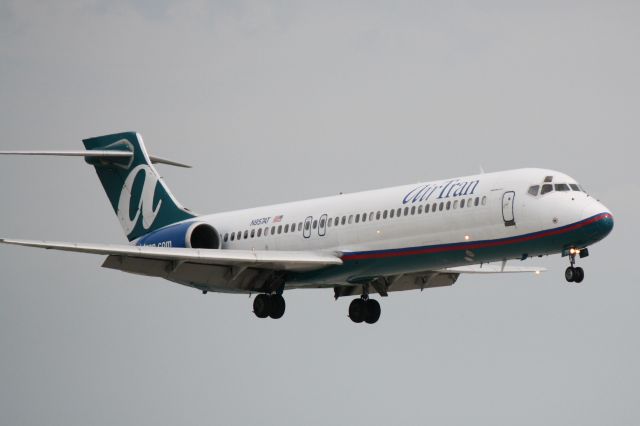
{"x": 605, "y": 224}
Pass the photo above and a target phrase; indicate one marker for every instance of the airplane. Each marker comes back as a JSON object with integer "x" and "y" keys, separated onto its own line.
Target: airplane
{"x": 381, "y": 241}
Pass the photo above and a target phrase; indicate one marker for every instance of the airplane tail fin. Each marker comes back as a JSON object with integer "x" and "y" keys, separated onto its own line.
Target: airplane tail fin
{"x": 138, "y": 195}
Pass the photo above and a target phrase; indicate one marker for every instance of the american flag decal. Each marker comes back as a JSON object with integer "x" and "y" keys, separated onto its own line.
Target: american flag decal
{"x": 277, "y": 219}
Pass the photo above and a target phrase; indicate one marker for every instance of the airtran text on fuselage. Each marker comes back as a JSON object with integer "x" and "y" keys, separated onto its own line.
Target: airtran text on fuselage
{"x": 451, "y": 188}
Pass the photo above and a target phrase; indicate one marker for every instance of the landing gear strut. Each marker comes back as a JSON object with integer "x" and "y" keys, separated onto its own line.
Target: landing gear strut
{"x": 574, "y": 274}
{"x": 364, "y": 309}
{"x": 269, "y": 305}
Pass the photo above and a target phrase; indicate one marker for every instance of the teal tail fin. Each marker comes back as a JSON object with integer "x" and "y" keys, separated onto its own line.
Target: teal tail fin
{"x": 136, "y": 191}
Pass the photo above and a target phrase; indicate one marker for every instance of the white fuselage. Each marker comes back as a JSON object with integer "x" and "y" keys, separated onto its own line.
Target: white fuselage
{"x": 484, "y": 207}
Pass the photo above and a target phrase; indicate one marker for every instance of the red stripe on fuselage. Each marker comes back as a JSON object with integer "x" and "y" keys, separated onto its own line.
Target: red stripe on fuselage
{"x": 472, "y": 245}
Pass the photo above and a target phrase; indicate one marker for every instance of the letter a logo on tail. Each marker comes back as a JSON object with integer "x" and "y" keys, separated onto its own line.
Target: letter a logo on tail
{"x": 133, "y": 186}
{"x": 145, "y": 205}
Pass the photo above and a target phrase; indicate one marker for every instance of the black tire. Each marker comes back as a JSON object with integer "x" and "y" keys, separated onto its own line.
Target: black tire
{"x": 570, "y": 274}
{"x": 357, "y": 310}
{"x": 373, "y": 311}
{"x": 579, "y": 275}
{"x": 277, "y": 306}
{"x": 262, "y": 305}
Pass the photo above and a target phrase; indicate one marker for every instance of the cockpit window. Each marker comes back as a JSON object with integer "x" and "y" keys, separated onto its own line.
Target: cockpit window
{"x": 548, "y": 179}
{"x": 546, "y": 188}
{"x": 533, "y": 190}
{"x": 574, "y": 186}
{"x": 562, "y": 187}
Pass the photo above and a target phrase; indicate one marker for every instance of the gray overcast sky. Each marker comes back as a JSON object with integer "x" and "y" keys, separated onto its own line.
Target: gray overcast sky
{"x": 278, "y": 101}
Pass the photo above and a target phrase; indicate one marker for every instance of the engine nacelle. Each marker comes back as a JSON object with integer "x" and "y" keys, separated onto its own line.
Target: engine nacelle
{"x": 186, "y": 235}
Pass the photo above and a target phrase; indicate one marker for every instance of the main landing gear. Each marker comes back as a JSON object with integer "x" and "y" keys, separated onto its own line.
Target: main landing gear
{"x": 575, "y": 274}
{"x": 269, "y": 305}
{"x": 364, "y": 309}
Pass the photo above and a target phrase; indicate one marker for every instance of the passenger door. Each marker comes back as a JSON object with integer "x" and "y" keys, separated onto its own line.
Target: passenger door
{"x": 508, "y": 199}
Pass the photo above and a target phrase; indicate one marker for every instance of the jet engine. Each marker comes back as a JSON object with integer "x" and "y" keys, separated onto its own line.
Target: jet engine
{"x": 197, "y": 235}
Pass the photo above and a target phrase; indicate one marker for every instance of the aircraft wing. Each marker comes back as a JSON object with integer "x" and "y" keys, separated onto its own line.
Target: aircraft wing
{"x": 262, "y": 259}
{"x": 493, "y": 268}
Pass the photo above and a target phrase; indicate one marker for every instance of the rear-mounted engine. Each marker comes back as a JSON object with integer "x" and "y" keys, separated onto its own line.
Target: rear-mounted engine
{"x": 197, "y": 235}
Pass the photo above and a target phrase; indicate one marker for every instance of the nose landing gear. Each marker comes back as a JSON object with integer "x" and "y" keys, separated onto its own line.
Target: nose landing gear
{"x": 574, "y": 274}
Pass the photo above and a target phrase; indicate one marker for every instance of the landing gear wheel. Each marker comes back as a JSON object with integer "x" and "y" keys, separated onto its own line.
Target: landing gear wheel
{"x": 579, "y": 275}
{"x": 262, "y": 305}
{"x": 358, "y": 310}
{"x": 570, "y": 274}
{"x": 373, "y": 311}
{"x": 277, "y": 306}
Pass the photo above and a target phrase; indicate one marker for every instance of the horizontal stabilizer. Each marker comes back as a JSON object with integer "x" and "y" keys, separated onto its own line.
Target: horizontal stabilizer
{"x": 96, "y": 154}
{"x": 262, "y": 259}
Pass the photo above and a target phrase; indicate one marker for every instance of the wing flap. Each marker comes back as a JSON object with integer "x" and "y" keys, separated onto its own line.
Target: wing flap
{"x": 264, "y": 259}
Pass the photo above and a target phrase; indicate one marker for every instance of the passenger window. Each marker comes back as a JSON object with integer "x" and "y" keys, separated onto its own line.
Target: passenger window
{"x": 226, "y": 237}
{"x": 273, "y": 230}
{"x": 253, "y": 233}
{"x": 562, "y": 187}
{"x": 406, "y": 211}
{"x": 533, "y": 190}
{"x": 321, "y": 223}
{"x": 441, "y": 206}
{"x": 286, "y": 228}
{"x": 350, "y": 219}
{"x": 306, "y": 226}
{"x": 279, "y": 229}
{"x": 259, "y": 232}
{"x": 470, "y": 202}
{"x": 329, "y": 222}
{"x": 371, "y": 216}
{"x": 392, "y": 213}
{"x": 336, "y": 221}
{"x": 384, "y": 214}
{"x": 574, "y": 187}
{"x": 420, "y": 209}
{"x": 233, "y": 236}
{"x": 246, "y": 234}
{"x": 455, "y": 204}
{"x": 300, "y": 226}
{"x": 378, "y": 215}
{"x": 315, "y": 224}
{"x": 426, "y": 208}
{"x": 448, "y": 205}
{"x": 344, "y": 220}
{"x": 477, "y": 201}
{"x": 546, "y": 188}
{"x": 461, "y": 204}
{"x": 484, "y": 200}
{"x": 434, "y": 207}
{"x": 358, "y": 218}
{"x": 413, "y": 210}
{"x": 399, "y": 212}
